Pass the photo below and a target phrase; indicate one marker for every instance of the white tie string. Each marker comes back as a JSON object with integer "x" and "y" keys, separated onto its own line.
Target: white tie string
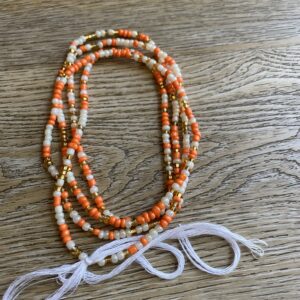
{"x": 72, "y": 275}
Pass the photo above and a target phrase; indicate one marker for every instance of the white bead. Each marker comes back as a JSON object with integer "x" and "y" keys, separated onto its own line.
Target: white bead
{"x": 169, "y": 168}
{"x": 60, "y": 182}
{"x": 139, "y": 229}
{"x": 105, "y": 234}
{"x": 73, "y": 213}
{"x": 101, "y": 262}
{"x": 86, "y": 226}
{"x": 145, "y": 227}
{"x": 56, "y": 193}
{"x": 169, "y": 195}
{"x": 76, "y": 219}
{"x": 67, "y": 162}
{"x": 101, "y": 235}
{"x": 114, "y": 259}
{"x": 51, "y": 169}
{"x": 176, "y": 187}
{"x": 165, "y": 201}
{"x": 82, "y": 256}
{"x": 190, "y": 164}
{"x": 70, "y": 245}
{"x": 185, "y": 172}
{"x": 117, "y": 234}
{"x": 70, "y": 151}
{"x": 153, "y": 233}
{"x": 121, "y": 255}
{"x": 58, "y": 209}
{"x": 94, "y": 189}
{"x": 170, "y": 213}
{"x": 110, "y": 31}
{"x": 107, "y": 212}
{"x": 59, "y": 215}
{"x": 122, "y": 234}
{"x": 128, "y": 224}
{"x": 167, "y": 151}
{"x": 128, "y": 232}
{"x": 139, "y": 245}
{"x": 60, "y": 221}
{"x": 149, "y": 237}
{"x": 158, "y": 228}
{"x": 89, "y": 177}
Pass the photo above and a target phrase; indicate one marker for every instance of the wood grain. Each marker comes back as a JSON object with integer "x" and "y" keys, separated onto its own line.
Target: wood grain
{"x": 241, "y": 65}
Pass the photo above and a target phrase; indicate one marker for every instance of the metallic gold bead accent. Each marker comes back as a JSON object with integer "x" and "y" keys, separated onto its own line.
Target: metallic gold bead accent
{"x": 76, "y": 251}
{"x": 164, "y": 109}
{"x": 177, "y": 194}
{"x": 177, "y": 165}
{"x": 83, "y": 163}
{"x": 57, "y": 188}
{"x": 74, "y": 187}
{"x": 176, "y": 150}
{"x": 91, "y": 36}
{"x": 173, "y": 206}
{"x": 173, "y": 97}
{"x": 61, "y": 176}
{"x": 83, "y": 81}
{"x": 95, "y": 48}
{"x": 134, "y": 223}
{"x": 84, "y": 98}
{"x": 133, "y": 231}
{"x": 108, "y": 260}
{"x": 73, "y": 51}
{"x": 69, "y": 156}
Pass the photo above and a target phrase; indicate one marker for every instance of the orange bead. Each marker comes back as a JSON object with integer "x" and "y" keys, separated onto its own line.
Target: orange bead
{"x": 161, "y": 205}
{"x": 112, "y": 220}
{"x": 96, "y": 231}
{"x": 167, "y": 218}
{"x": 111, "y": 235}
{"x": 66, "y": 239}
{"x": 163, "y": 223}
{"x": 65, "y": 233}
{"x": 156, "y": 211}
{"x": 117, "y": 223}
{"x": 144, "y": 241}
{"x": 80, "y": 222}
{"x": 146, "y": 217}
{"x": 63, "y": 227}
{"x": 132, "y": 249}
{"x": 140, "y": 219}
{"x": 67, "y": 205}
{"x": 123, "y": 223}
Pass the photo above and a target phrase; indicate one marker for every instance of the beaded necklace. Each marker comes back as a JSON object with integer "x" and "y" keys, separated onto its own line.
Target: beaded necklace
{"x": 131, "y": 235}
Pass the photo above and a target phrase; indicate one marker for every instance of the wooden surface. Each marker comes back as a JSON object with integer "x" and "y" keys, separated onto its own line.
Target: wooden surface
{"x": 241, "y": 65}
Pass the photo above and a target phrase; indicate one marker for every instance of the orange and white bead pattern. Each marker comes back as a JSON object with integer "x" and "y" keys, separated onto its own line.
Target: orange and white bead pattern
{"x": 178, "y": 155}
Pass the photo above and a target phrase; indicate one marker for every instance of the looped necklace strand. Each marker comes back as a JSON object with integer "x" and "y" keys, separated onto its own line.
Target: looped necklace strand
{"x": 178, "y": 157}
{"x": 131, "y": 236}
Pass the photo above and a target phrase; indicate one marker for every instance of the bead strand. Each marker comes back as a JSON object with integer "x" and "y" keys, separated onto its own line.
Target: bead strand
{"x": 83, "y": 53}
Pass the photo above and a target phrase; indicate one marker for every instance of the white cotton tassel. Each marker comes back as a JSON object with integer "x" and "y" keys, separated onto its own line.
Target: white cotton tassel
{"x": 72, "y": 275}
